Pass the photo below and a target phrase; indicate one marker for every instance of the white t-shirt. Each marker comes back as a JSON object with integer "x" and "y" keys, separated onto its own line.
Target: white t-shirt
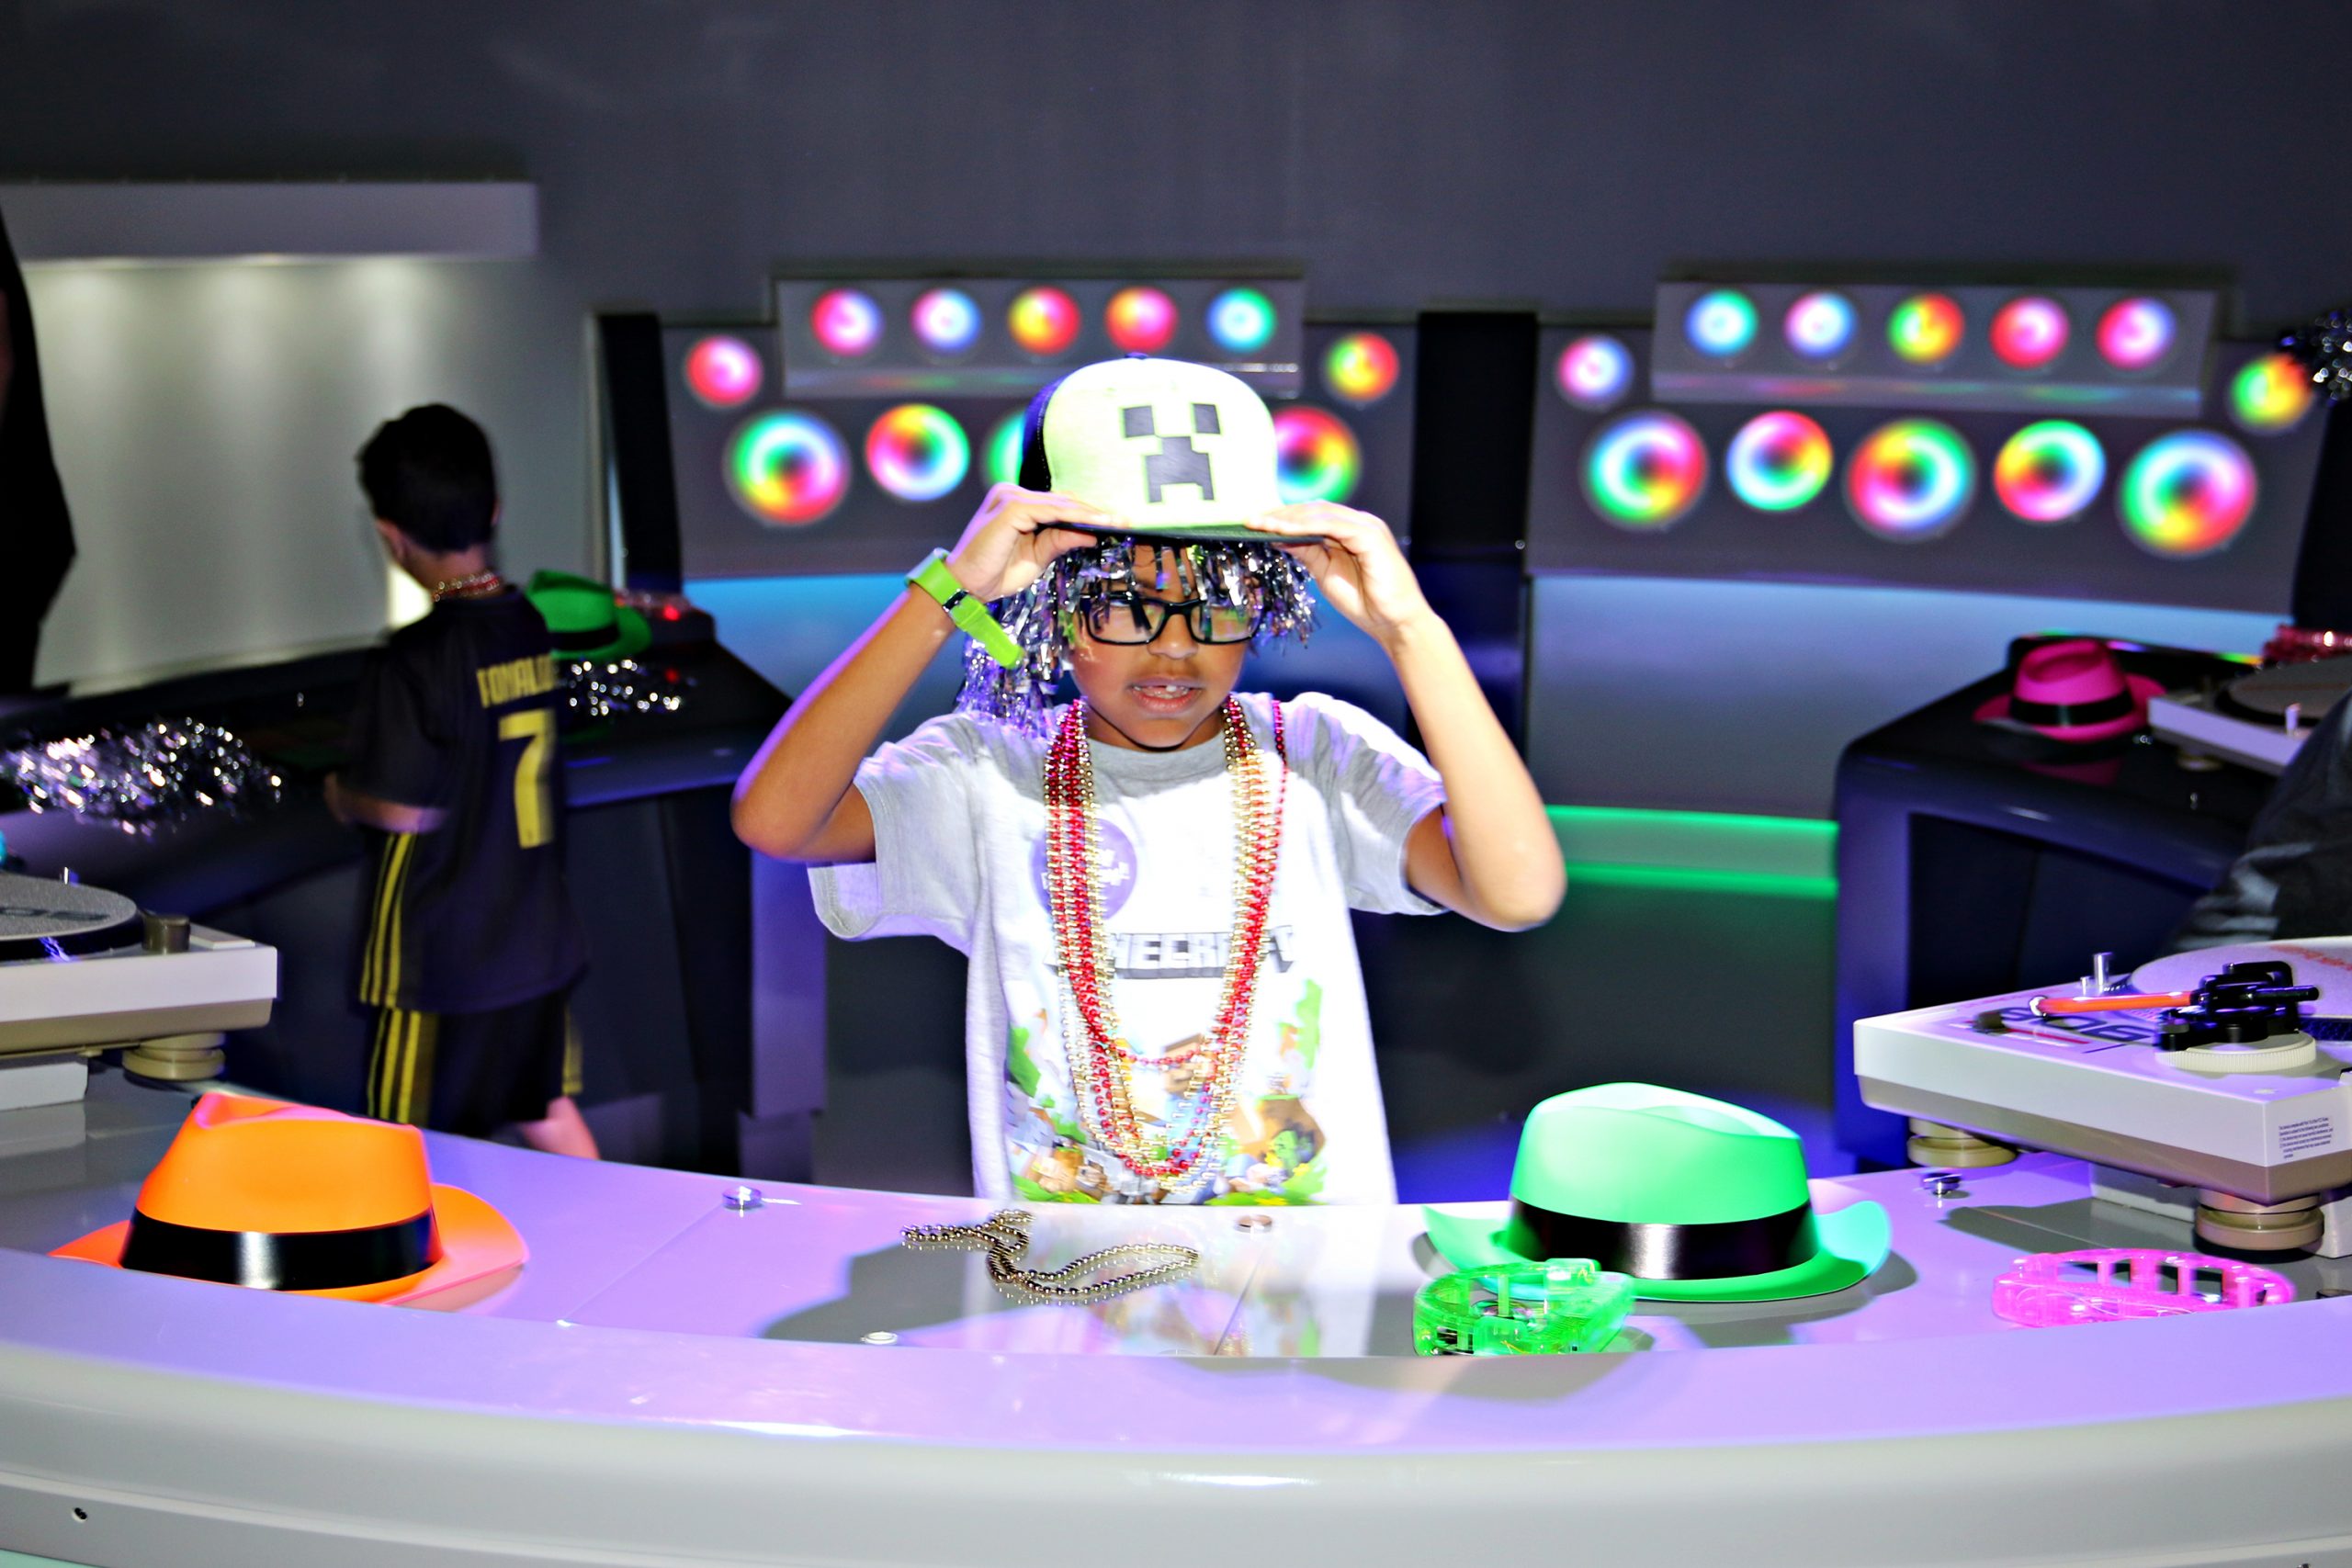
{"x": 959, "y": 824}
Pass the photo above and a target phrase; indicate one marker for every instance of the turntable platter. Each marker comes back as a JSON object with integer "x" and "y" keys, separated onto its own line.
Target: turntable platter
{"x": 2315, "y": 688}
{"x": 41, "y": 919}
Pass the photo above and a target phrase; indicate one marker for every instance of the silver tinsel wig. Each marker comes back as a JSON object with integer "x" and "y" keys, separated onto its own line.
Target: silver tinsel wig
{"x": 1042, "y": 618}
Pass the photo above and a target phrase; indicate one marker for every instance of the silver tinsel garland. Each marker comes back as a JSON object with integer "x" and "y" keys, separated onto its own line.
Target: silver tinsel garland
{"x": 1042, "y": 618}
{"x": 599, "y": 688}
{"x": 163, "y": 772}
{"x": 2325, "y": 347}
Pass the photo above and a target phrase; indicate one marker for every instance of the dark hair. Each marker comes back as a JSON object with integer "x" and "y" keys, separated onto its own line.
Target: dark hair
{"x": 428, "y": 473}
{"x": 1035, "y": 472}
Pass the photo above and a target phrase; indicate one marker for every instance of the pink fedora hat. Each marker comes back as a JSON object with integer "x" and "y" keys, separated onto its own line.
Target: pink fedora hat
{"x": 2073, "y": 691}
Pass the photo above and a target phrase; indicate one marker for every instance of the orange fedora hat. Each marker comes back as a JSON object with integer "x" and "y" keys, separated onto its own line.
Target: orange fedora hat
{"x": 279, "y": 1197}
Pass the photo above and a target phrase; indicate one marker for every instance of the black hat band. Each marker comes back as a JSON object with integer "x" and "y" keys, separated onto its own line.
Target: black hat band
{"x": 2071, "y": 715}
{"x": 293, "y": 1261}
{"x": 577, "y": 642}
{"x": 1728, "y": 1249}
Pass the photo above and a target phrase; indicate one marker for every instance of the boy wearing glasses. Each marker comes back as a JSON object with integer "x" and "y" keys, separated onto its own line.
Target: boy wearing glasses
{"x": 1152, "y": 882}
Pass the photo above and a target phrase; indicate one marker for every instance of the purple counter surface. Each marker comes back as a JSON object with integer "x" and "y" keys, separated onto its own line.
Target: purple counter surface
{"x": 669, "y": 1380}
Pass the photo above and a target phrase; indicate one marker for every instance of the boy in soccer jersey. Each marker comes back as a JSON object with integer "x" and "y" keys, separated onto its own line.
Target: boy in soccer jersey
{"x": 1152, "y": 882}
{"x": 470, "y": 946}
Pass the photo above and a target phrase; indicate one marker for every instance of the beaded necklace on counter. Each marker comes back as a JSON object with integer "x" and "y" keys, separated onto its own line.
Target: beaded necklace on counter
{"x": 1101, "y": 1062}
{"x": 1005, "y": 1237}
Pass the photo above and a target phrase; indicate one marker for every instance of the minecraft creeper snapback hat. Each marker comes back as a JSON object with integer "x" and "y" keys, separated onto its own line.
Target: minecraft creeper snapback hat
{"x": 1179, "y": 450}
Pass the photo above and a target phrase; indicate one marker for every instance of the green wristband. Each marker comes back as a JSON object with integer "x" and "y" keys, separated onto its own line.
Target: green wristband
{"x": 968, "y": 613}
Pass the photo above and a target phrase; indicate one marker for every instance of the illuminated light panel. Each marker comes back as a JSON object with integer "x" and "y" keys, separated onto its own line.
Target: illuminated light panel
{"x": 1316, "y": 456}
{"x": 917, "y": 452}
{"x": 1720, "y": 323}
{"x": 1819, "y": 326}
{"x": 2027, "y": 334}
{"x": 846, "y": 322}
{"x": 1140, "y": 319}
{"x": 1241, "y": 320}
{"x": 2137, "y": 333}
{"x": 1779, "y": 461}
{"x": 1594, "y": 373}
{"x": 2271, "y": 394}
{"x": 947, "y": 320}
{"x": 1043, "y": 320}
{"x": 1637, "y": 838}
{"x": 1926, "y": 329}
{"x": 1001, "y": 452}
{"x": 1643, "y": 470}
{"x": 787, "y": 467}
{"x": 723, "y": 372}
{"x": 2187, "y": 494}
{"x": 2050, "y": 471}
{"x": 1910, "y": 479}
{"x": 1361, "y": 368}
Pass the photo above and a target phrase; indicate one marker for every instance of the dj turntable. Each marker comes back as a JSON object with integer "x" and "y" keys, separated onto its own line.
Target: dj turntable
{"x": 2260, "y": 719}
{"x": 83, "y": 969}
{"x": 2219, "y": 1073}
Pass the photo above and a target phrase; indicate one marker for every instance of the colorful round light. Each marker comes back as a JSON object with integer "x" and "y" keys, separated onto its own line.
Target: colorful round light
{"x": 1926, "y": 329}
{"x": 1910, "y": 479}
{"x": 1643, "y": 470}
{"x": 2050, "y": 471}
{"x": 2029, "y": 332}
{"x": 847, "y": 322}
{"x": 2271, "y": 394}
{"x": 787, "y": 467}
{"x": 1140, "y": 319}
{"x": 1594, "y": 373}
{"x": 947, "y": 320}
{"x": 1361, "y": 368}
{"x": 1820, "y": 325}
{"x": 1241, "y": 320}
{"x": 1779, "y": 461}
{"x": 1001, "y": 452}
{"x": 2187, "y": 494}
{"x": 2137, "y": 333}
{"x": 1720, "y": 323}
{"x": 1043, "y": 320}
{"x": 723, "y": 372}
{"x": 1316, "y": 456}
{"x": 918, "y": 452}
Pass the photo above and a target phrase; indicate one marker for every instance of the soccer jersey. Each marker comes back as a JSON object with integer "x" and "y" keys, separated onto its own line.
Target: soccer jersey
{"x": 959, "y": 853}
{"x": 457, "y": 715}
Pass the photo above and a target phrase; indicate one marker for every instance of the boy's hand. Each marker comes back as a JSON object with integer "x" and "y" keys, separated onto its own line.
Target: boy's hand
{"x": 1008, "y": 544}
{"x": 1355, "y": 562}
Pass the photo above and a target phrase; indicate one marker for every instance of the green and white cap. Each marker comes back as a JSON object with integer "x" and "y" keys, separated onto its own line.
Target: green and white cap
{"x": 1184, "y": 451}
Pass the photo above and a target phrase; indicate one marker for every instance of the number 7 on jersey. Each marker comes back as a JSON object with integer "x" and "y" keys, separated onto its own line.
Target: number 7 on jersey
{"x": 534, "y": 802}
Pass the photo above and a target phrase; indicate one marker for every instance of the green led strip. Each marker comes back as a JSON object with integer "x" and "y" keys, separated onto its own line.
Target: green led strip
{"x": 1709, "y": 851}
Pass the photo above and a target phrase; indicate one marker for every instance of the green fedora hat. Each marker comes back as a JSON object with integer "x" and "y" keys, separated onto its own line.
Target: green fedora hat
{"x": 1696, "y": 1200}
{"x": 583, "y": 620}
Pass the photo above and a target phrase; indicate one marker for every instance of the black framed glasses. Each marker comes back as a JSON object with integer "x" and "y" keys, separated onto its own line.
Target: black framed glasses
{"x": 1132, "y": 619}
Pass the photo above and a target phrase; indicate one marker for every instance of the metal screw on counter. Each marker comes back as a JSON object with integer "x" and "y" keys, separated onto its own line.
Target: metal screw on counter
{"x": 171, "y": 1059}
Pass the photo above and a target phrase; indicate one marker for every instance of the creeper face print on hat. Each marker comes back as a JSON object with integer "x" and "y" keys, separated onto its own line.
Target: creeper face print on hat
{"x": 1182, "y": 451}
{"x": 1176, "y": 461}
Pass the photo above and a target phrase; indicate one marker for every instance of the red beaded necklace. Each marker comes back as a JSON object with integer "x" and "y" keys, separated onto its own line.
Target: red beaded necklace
{"x": 1102, "y": 1063}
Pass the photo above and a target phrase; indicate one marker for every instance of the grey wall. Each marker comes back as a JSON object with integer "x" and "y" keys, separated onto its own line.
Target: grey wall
{"x": 1556, "y": 153}
{"x": 205, "y": 418}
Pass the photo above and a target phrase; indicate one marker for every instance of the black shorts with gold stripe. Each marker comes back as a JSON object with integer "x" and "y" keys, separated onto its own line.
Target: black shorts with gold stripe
{"x": 473, "y": 1072}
